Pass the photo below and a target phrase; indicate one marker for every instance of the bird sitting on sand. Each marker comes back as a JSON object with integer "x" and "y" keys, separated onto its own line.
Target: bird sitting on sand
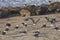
{"x": 17, "y": 26}
{"x": 4, "y": 33}
{"x": 36, "y": 33}
{"x": 8, "y": 24}
{"x": 52, "y": 20}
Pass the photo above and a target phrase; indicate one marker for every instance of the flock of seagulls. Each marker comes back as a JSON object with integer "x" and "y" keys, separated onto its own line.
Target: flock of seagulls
{"x": 36, "y": 33}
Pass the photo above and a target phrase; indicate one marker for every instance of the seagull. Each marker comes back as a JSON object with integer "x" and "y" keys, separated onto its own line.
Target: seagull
{"x": 4, "y": 33}
{"x": 52, "y": 20}
{"x": 48, "y": 19}
{"x": 25, "y": 24}
{"x": 7, "y": 28}
{"x": 36, "y": 33}
{"x": 57, "y": 28}
{"x": 17, "y": 26}
{"x": 54, "y": 26}
{"x": 8, "y": 24}
{"x": 44, "y": 25}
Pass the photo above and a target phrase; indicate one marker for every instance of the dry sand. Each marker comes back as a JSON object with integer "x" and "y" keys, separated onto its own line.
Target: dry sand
{"x": 13, "y": 34}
